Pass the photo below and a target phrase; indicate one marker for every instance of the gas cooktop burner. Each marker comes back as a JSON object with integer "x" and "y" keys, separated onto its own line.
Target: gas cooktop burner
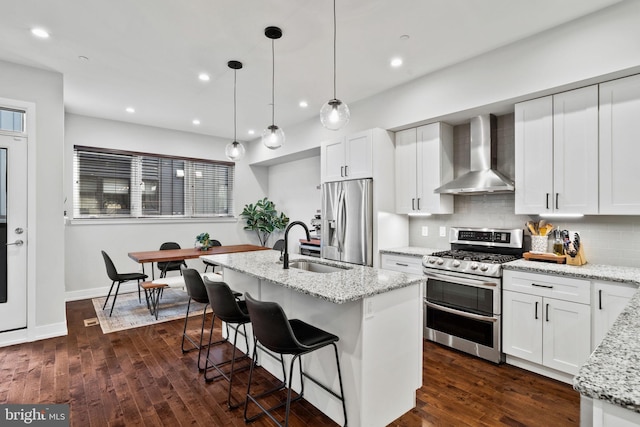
{"x": 475, "y": 256}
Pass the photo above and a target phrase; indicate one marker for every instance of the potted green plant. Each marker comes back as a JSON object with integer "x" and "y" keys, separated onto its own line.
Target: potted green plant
{"x": 204, "y": 241}
{"x": 264, "y": 219}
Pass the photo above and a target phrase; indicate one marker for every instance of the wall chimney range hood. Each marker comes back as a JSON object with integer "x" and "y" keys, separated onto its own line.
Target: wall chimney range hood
{"x": 483, "y": 177}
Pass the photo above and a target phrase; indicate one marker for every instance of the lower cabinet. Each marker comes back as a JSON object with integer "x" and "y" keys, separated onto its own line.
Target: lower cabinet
{"x": 609, "y": 299}
{"x": 547, "y": 320}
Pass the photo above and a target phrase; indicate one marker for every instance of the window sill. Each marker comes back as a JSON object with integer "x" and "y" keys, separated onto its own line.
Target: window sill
{"x": 121, "y": 221}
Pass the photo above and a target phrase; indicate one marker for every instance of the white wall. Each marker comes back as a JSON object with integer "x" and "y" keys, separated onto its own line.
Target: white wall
{"x": 295, "y": 189}
{"x": 85, "y": 270}
{"x": 597, "y": 47}
{"x": 45, "y": 229}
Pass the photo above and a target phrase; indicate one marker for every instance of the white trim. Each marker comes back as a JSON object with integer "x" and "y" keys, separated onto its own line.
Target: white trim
{"x": 30, "y": 110}
{"x": 99, "y": 292}
{"x": 21, "y": 336}
{"x": 540, "y": 370}
{"x": 121, "y": 221}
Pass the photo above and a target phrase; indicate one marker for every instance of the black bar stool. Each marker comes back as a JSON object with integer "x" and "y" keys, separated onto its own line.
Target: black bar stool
{"x": 197, "y": 292}
{"x": 273, "y": 330}
{"x": 227, "y": 308}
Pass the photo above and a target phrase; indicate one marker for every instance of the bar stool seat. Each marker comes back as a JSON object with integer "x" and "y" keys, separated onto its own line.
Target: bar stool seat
{"x": 273, "y": 330}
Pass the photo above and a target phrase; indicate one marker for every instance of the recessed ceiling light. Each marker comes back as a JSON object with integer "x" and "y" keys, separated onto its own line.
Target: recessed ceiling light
{"x": 396, "y": 62}
{"x": 204, "y": 77}
{"x": 130, "y": 110}
{"x": 303, "y": 104}
{"x": 39, "y": 32}
{"x": 83, "y": 58}
{"x": 196, "y": 122}
{"x": 404, "y": 37}
{"x": 251, "y": 132}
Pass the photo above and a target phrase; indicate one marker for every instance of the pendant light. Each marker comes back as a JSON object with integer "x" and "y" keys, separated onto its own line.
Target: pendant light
{"x": 234, "y": 150}
{"x": 334, "y": 114}
{"x": 273, "y": 136}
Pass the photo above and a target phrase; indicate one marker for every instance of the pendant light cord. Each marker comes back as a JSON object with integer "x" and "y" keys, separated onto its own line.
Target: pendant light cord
{"x": 273, "y": 83}
{"x": 334, "y": 49}
{"x": 235, "y": 77}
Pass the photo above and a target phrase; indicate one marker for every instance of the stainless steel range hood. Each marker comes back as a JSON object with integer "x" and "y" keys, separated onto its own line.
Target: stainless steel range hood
{"x": 483, "y": 177}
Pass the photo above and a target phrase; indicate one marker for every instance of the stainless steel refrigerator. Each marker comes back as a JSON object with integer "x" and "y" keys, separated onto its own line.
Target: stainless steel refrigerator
{"x": 347, "y": 221}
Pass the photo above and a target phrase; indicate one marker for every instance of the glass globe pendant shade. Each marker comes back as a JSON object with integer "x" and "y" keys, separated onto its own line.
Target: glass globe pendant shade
{"x": 234, "y": 151}
{"x": 273, "y": 137}
{"x": 334, "y": 114}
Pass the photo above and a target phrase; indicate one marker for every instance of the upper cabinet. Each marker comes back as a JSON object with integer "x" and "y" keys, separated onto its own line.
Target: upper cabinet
{"x": 350, "y": 157}
{"x": 424, "y": 161}
{"x": 619, "y": 146}
{"x": 556, "y": 151}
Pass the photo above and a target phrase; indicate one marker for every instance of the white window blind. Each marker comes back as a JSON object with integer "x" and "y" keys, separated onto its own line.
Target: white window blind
{"x": 117, "y": 184}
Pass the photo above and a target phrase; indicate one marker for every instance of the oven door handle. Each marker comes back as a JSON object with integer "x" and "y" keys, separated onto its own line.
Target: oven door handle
{"x": 461, "y": 280}
{"x": 461, "y": 313}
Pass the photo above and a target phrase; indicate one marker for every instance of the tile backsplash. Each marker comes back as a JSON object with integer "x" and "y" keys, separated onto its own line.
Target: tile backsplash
{"x": 613, "y": 240}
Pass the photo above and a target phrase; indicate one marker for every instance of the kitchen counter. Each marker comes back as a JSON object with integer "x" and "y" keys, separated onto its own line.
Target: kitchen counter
{"x": 410, "y": 251}
{"x": 612, "y": 372}
{"x": 343, "y": 286}
{"x": 609, "y": 273}
{"x": 376, "y": 313}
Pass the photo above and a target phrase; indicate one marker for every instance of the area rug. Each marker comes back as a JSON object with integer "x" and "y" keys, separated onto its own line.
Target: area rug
{"x": 129, "y": 313}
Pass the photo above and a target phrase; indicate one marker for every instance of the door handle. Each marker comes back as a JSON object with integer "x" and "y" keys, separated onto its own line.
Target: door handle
{"x": 413, "y": 204}
{"x": 557, "y": 200}
{"x": 418, "y": 203}
{"x": 346, "y": 170}
{"x": 547, "y": 200}
{"x": 342, "y": 171}
{"x": 536, "y": 311}
{"x": 547, "y": 313}
{"x": 17, "y": 243}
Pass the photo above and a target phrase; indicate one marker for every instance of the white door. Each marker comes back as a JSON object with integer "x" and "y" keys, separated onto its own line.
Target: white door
{"x": 567, "y": 335}
{"x": 522, "y": 325}
{"x": 13, "y": 232}
{"x": 406, "y": 171}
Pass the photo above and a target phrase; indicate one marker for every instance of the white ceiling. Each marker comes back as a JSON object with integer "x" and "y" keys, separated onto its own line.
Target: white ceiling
{"x": 148, "y": 53}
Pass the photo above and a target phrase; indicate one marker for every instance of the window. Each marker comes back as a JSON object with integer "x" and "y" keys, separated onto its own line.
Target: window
{"x": 12, "y": 120}
{"x": 116, "y": 184}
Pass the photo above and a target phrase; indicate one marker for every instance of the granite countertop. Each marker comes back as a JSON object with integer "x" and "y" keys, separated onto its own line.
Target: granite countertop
{"x": 410, "y": 251}
{"x": 612, "y": 372}
{"x": 610, "y": 273}
{"x": 340, "y": 287}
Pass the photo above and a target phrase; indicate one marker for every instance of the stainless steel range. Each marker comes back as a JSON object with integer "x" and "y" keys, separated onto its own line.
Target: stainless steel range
{"x": 463, "y": 298}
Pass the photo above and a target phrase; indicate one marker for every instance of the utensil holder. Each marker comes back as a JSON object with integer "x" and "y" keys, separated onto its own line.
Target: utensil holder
{"x": 539, "y": 244}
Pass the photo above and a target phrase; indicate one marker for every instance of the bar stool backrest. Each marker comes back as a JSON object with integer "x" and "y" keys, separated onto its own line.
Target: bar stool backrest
{"x": 224, "y": 303}
{"x": 195, "y": 286}
{"x": 271, "y": 326}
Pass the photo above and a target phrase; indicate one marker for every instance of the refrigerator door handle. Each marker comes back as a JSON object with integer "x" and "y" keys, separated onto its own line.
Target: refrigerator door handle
{"x": 342, "y": 219}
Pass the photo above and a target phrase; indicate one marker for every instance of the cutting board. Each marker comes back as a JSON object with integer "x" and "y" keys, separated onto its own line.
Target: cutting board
{"x": 547, "y": 257}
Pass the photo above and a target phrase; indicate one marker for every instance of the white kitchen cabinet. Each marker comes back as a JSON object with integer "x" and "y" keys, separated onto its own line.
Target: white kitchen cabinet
{"x": 619, "y": 148}
{"x": 609, "y": 299}
{"x": 424, "y": 161}
{"x": 350, "y": 157}
{"x": 547, "y": 320}
{"x": 402, "y": 263}
{"x": 556, "y": 151}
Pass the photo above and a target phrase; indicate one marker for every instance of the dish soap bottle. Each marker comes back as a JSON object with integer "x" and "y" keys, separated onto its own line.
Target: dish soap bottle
{"x": 558, "y": 247}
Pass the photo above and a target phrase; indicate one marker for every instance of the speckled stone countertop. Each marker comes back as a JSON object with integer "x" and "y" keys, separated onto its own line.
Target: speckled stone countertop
{"x": 410, "y": 251}
{"x": 343, "y": 286}
{"x": 612, "y": 372}
{"x": 609, "y": 273}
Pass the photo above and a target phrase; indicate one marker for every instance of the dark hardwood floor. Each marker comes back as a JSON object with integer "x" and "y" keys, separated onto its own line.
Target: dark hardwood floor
{"x": 140, "y": 377}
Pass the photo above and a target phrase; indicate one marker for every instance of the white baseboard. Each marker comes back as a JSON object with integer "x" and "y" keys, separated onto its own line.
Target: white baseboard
{"x": 33, "y": 334}
{"x": 540, "y": 370}
{"x": 99, "y": 292}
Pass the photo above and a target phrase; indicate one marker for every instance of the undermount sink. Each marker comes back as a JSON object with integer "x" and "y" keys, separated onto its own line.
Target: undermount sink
{"x": 315, "y": 267}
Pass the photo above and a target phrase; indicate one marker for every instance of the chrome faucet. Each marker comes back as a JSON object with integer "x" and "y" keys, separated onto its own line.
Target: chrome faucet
{"x": 285, "y": 256}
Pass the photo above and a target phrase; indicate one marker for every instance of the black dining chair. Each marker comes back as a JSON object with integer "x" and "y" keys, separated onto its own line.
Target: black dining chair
{"x": 230, "y": 310}
{"x": 274, "y": 331}
{"x": 170, "y": 265}
{"x": 119, "y": 278}
{"x": 208, "y": 264}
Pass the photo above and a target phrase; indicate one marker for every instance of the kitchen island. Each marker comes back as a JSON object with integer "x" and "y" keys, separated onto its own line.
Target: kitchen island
{"x": 376, "y": 313}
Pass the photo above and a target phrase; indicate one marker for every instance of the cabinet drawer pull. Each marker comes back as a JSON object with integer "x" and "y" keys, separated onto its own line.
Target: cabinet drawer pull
{"x": 536, "y": 310}
{"x": 547, "y": 314}
{"x": 600, "y": 299}
{"x": 402, "y": 265}
{"x": 542, "y": 286}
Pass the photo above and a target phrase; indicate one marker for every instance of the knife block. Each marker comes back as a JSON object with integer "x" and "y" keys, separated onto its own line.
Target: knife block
{"x": 579, "y": 259}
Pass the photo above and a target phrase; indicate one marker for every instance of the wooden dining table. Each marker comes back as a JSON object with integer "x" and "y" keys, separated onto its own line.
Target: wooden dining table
{"x": 152, "y": 257}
